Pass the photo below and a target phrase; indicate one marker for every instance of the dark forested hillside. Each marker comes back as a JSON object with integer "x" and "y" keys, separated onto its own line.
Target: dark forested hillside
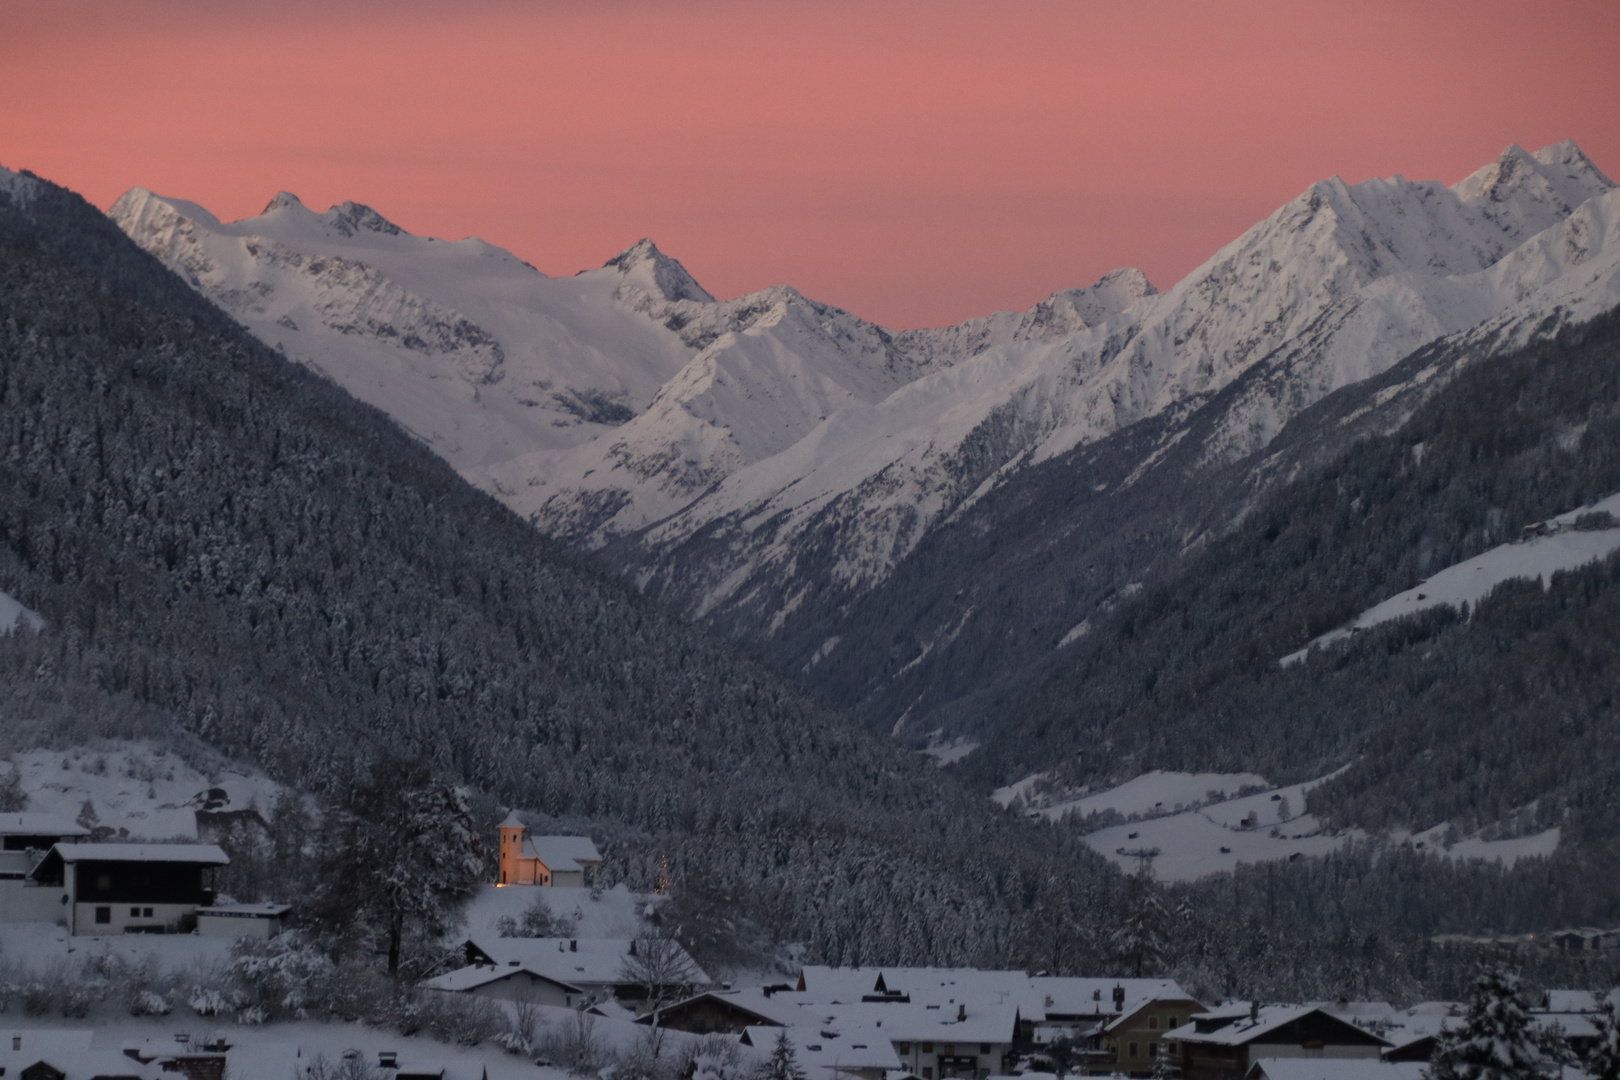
{"x": 1505, "y": 719}
{"x": 224, "y": 543}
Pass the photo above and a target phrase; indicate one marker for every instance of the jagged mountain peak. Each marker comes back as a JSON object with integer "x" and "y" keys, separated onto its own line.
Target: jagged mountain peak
{"x": 349, "y": 218}
{"x": 1558, "y": 175}
{"x": 1121, "y": 288}
{"x": 282, "y": 200}
{"x": 644, "y": 265}
{"x": 1569, "y": 156}
{"x": 160, "y": 224}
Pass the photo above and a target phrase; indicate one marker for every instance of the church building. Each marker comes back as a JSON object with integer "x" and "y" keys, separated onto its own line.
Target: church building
{"x": 556, "y": 861}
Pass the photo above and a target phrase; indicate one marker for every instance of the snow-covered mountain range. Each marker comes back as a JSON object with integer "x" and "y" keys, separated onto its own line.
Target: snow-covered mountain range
{"x": 742, "y": 457}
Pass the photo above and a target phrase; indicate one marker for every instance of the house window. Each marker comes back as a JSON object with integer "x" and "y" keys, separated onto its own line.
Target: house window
{"x": 1133, "y": 1050}
{"x": 146, "y": 913}
{"x": 1153, "y": 1050}
{"x": 928, "y": 1048}
{"x": 103, "y": 915}
{"x": 1172, "y": 1022}
{"x": 134, "y": 912}
{"x": 950, "y": 1049}
{"x": 984, "y": 1048}
{"x": 928, "y": 1072}
{"x": 905, "y": 1048}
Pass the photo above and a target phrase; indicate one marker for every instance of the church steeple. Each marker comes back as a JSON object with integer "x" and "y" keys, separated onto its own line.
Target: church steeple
{"x": 511, "y": 831}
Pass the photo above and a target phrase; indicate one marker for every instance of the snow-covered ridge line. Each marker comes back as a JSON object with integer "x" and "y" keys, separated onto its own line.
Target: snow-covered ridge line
{"x": 744, "y": 455}
{"x": 1549, "y": 548}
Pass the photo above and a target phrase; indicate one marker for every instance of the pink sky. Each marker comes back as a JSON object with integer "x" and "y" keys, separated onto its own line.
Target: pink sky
{"x": 916, "y": 163}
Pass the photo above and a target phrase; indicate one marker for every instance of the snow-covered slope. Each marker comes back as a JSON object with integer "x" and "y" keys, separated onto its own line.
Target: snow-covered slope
{"x": 13, "y": 615}
{"x": 750, "y": 457}
{"x": 1265, "y": 826}
{"x": 1556, "y": 546}
{"x": 470, "y": 348}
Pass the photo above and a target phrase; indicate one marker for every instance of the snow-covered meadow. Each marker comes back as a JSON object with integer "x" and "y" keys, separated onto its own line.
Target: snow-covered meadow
{"x": 1188, "y": 827}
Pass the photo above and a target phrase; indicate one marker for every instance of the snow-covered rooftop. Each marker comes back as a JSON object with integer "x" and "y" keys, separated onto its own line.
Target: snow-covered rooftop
{"x": 1295, "y": 1068}
{"x": 1266, "y": 1019}
{"x": 918, "y": 1022}
{"x": 1065, "y": 996}
{"x": 828, "y": 1050}
{"x": 948, "y": 986}
{"x": 562, "y": 853}
{"x": 783, "y": 1009}
{"x": 576, "y": 961}
{"x": 207, "y": 854}
{"x": 473, "y": 976}
{"x": 246, "y": 911}
{"x": 36, "y": 824}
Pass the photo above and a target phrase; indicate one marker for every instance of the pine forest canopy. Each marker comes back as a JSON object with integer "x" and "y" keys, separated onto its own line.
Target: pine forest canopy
{"x": 224, "y": 544}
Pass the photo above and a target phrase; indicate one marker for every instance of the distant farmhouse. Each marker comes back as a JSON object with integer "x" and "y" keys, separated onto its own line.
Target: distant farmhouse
{"x": 556, "y": 861}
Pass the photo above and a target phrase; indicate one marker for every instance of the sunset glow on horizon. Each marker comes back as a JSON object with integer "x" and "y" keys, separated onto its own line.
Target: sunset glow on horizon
{"x": 915, "y": 163}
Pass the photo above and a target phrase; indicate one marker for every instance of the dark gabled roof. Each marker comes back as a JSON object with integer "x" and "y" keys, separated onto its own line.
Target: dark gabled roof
{"x": 1271, "y": 1023}
{"x": 183, "y": 854}
{"x": 733, "y": 1001}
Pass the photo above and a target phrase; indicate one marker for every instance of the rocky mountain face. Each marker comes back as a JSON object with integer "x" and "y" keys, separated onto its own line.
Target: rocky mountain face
{"x": 772, "y": 463}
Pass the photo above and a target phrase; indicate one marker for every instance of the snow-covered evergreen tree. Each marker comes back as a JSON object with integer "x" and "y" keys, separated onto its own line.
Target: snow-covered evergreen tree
{"x": 783, "y": 1064}
{"x": 1603, "y": 1059}
{"x": 1497, "y": 1040}
{"x": 1140, "y": 938}
{"x": 1164, "y": 1067}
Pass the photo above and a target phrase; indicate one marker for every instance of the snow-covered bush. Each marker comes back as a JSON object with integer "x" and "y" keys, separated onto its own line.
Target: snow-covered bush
{"x": 574, "y": 1045}
{"x": 459, "y": 1018}
{"x": 358, "y": 992}
{"x": 350, "y": 1066}
{"x": 208, "y": 1001}
{"x": 522, "y": 1024}
{"x": 38, "y": 995}
{"x": 283, "y": 974}
{"x": 145, "y": 1002}
{"x": 76, "y": 997}
{"x": 714, "y": 1057}
{"x": 536, "y": 921}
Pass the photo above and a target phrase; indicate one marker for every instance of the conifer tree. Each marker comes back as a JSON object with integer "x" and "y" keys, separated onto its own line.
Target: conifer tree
{"x": 783, "y": 1064}
{"x": 1496, "y": 1040}
{"x": 1603, "y": 1059}
{"x": 1140, "y": 936}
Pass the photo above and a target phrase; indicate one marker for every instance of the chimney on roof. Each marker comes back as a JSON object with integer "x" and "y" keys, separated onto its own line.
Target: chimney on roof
{"x": 1254, "y": 1010}
{"x": 961, "y": 1012}
{"x": 1119, "y": 997}
{"x": 573, "y": 946}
